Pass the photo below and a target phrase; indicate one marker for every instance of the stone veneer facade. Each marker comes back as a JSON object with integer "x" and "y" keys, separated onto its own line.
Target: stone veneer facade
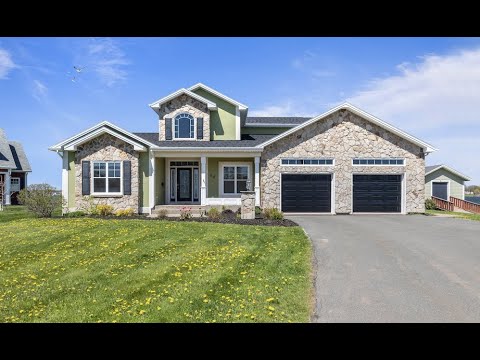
{"x": 106, "y": 147}
{"x": 343, "y": 136}
{"x": 184, "y": 104}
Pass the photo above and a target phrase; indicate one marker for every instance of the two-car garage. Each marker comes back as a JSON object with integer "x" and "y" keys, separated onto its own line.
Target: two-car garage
{"x": 304, "y": 193}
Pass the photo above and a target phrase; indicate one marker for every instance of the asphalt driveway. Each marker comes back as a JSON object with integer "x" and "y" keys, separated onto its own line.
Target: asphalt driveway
{"x": 393, "y": 268}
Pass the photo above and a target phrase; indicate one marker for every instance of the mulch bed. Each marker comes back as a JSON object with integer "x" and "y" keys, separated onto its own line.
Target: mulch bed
{"x": 222, "y": 220}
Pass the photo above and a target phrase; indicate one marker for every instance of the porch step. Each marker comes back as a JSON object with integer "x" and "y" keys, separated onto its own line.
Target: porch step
{"x": 174, "y": 210}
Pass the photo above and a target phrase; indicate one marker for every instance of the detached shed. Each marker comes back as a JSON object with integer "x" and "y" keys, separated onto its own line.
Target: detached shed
{"x": 442, "y": 182}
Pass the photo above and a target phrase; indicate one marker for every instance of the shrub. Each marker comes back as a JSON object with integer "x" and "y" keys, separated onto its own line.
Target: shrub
{"x": 88, "y": 206}
{"x": 430, "y": 204}
{"x": 125, "y": 212}
{"x": 228, "y": 213}
{"x": 40, "y": 199}
{"x": 75, "y": 214}
{"x": 213, "y": 213}
{"x": 272, "y": 214}
{"x": 258, "y": 210}
{"x": 104, "y": 210}
{"x": 185, "y": 213}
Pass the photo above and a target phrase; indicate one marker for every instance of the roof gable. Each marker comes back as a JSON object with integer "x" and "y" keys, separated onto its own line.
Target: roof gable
{"x": 373, "y": 119}
{"x": 19, "y": 156}
{"x": 431, "y": 169}
{"x": 218, "y": 94}
{"x": 156, "y": 104}
{"x": 104, "y": 127}
{"x": 6, "y": 156}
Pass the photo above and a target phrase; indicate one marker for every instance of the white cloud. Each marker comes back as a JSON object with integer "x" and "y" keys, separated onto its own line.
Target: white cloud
{"x": 438, "y": 100}
{"x": 108, "y": 60}
{"x": 6, "y": 63}
{"x": 287, "y": 108}
{"x": 39, "y": 91}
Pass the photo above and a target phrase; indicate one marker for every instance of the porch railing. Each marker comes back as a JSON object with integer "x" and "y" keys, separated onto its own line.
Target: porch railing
{"x": 443, "y": 204}
{"x": 465, "y": 205}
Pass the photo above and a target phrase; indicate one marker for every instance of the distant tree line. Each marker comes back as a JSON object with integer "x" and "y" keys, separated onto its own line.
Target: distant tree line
{"x": 474, "y": 189}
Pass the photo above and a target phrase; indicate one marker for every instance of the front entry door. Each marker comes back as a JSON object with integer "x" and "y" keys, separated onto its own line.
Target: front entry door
{"x": 184, "y": 184}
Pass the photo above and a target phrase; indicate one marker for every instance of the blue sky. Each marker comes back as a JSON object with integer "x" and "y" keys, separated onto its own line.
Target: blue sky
{"x": 429, "y": 87}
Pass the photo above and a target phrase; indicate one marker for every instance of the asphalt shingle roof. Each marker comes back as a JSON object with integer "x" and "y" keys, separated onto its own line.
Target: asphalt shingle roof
{"x": 19, "y": 156}
{"x": 6, "y": 157}
{"x": 269, "y": 120}
{"x": 246, "y": 141}
{"x": 431, "y": 168}
{"x": 12, "y": 155}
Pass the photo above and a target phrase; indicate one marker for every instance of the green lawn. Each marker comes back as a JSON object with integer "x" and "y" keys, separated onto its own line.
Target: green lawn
{"x": 456, "y": 214}
{"x": 93, "y": 270}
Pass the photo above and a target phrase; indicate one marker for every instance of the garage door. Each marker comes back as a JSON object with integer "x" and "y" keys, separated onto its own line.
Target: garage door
{"x": 377, "y": 193}
{"x": 306, "y": 192}
{"x": 440, "y": 190}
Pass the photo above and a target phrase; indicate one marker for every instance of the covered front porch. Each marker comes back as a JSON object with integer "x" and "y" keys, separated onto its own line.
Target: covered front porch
{"x": 213, "y": 178}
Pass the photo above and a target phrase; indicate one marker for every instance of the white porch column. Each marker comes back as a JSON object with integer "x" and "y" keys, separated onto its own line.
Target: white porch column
{"x": 257, "y": 180}
{"x": 7, "y": 187}
{"x": 64, "y": 179}
{"x": 151, "y": 181}
{"x": 203, "y": 180}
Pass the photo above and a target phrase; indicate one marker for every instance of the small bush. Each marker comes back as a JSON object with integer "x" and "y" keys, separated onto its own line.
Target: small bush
{"x": 430, "y": 205}
{"x": 258, "y": 210}
{"x": 272, "y": 214}
{"x": 124, "y": 212}
{"x": 40, "y": 199}
{"x": 75, "y": 214}
{"x": 228, "y": 213}
{"x": 185, "y": 213}
{"x": 104, "y": 210}
{"x": 213, "y": 213}
{"x": 162, "y": 213}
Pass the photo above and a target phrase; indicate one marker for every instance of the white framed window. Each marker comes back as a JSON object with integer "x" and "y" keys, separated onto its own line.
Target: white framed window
{"x": 107, "y": 178}
{"x": 308, "y": 162}
{"x": 14, "y": 184}
{"x": 234, "y": 177}
{"x": 184, "y": 127}
{"x": 378, "y": 162}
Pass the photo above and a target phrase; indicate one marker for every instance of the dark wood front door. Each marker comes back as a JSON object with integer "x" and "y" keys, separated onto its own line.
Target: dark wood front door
{"x": 184, "y": 184}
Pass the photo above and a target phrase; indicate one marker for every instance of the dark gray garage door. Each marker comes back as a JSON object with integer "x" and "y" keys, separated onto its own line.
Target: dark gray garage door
{"x": 377, "y": 193}
{"x": 440, "y": 190}
{"x": 306, "y": 192}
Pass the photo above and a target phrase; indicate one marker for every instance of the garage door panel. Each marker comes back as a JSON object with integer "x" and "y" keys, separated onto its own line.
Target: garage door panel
{"x": 377, "y": 193}
{"x": 306, "y": 192}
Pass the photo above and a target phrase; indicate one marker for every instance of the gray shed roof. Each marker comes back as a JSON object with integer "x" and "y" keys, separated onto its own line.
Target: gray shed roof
{"x": 6, "y": 157}
{"x": 273, "y": 120}
{"x": 246, "y": 141}
{"x": 431, "y": 168}
{"x": 19, "y": 156}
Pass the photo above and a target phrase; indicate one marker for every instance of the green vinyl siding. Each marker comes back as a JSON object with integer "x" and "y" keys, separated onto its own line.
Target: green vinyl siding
{"x": 223, "y": 120}
{"x": 214, "y": 175}
{"x": 456, "y": 183}
{"x": 143, "y": 168}
{"x": 71, "y": 179}
{"x": 264, "y": 130}
{"x": 160, "y": 181}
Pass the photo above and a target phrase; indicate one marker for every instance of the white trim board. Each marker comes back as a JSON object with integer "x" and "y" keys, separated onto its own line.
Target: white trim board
{"x": 104, "y": 124}
{"x": 464, "y": 177}
{"x": 156, "y": 104}
{"x": 373, "y": 119}
{"x": 219, "y": 94}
